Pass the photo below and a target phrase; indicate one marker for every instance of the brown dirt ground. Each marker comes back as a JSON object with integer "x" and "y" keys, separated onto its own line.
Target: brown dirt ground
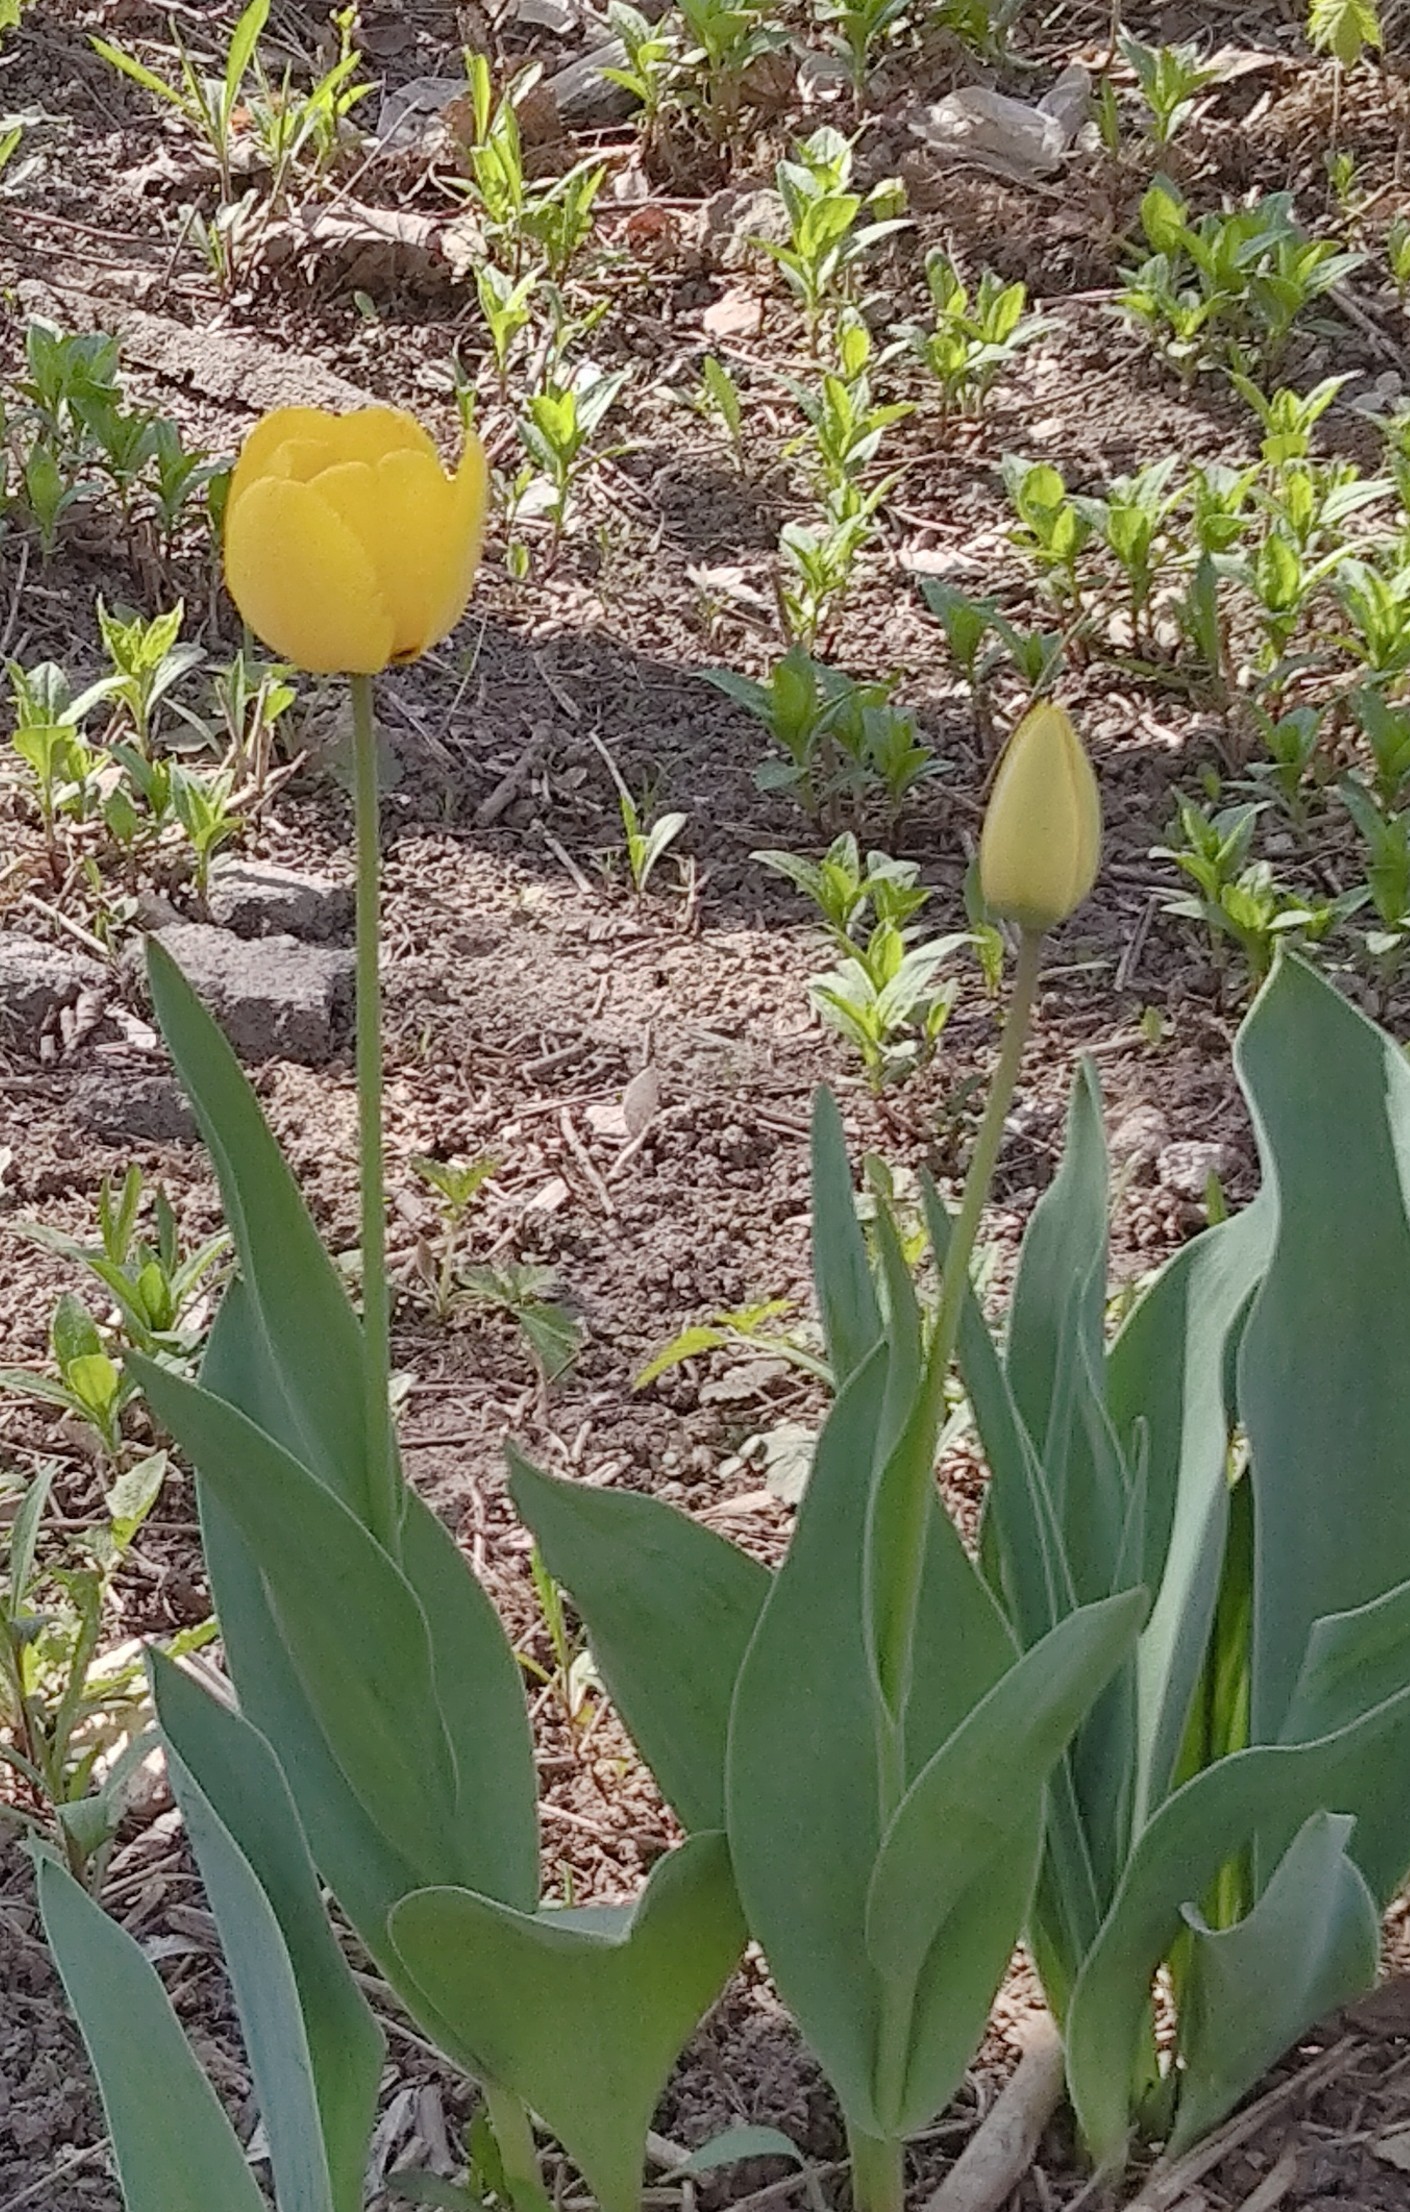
{"x": 524, "y": 989}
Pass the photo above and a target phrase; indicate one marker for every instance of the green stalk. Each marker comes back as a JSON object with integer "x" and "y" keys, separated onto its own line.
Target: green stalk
{"x": 382, "y": 1481}
{"x": 878, "y": 2172}
{"x": 894, "y": 1656}
{"x": 514, "y": 2140}
{"x": 897, "y": 1641}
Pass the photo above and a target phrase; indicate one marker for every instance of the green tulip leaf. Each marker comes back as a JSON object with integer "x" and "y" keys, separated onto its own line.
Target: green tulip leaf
{"x": 1321, "y": 1377}
{"x": 311, "y": 1337}
{"x": 1166, "y": 1386}
{"x": 315, "y": 2050}
{"x": 1055, "y": 1340}
{"x": 364, "y": 1871}
{"x": 669, "y": 1607}
{"x": 171, "y": 2148}
{"x": 972, "y": 1815}
{"x": 1257, "y": 1798}
{"x": 330, "y": 1582}
{"x": 802, "y": 1779}
{"x": 1311, "y": 1942}
{"x": 847, "y": 1302}
{"x": 582, "y": 2014}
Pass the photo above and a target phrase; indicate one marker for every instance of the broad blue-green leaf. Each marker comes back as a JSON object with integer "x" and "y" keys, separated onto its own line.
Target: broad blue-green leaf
{"x": 1033, "y": 1562}
{"x": 1257, "y": 1797}
{"x": 1057, "y": 1313}
{"x": 975, "y": 1811}
{"x": 480, "y": 1694}
{"x": 1311, "y": 1942}
{"x": 802, "y": 1784}
{"x": 847, "y": 1303}
{"x": 173, "y": 2148}
{"x": 670, "y": 1608}
{"x": 1353, "y": 1661}
{"x": 347, "y": 1615}
{"x": 245, "y": 1832}
{"x": 1166, "y": 1384}
{"x": 363, "y": 1870}
{"x": 312, "y": 1339}
{"x": 267, "y": 2000}
{"x": 583, "y": 2026}
{"x": 1322, "y": 1366}
{"x": 1067, "y": 1910}
{"x": 478, "y": 1685}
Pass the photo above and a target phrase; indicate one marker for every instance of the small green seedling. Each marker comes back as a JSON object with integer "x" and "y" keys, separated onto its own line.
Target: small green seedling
{"x": 1171, "y": 79}
{"x": 207, "y": 104}
{"x": 457, "y": 1184}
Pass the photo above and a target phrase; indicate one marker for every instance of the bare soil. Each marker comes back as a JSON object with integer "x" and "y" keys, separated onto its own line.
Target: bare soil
{"x": 525, "y": 988}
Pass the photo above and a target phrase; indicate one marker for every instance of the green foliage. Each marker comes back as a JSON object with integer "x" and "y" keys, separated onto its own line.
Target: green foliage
{"x": 74, "y": 436}
{"x": 75, "y": 1723}
{"x": 843, "y": 741}
{"x": 207, "y": 105}
{"x": 1170, "y": 78}
{"x": 971, "y": 341}
{"x": 1219, "y": 284}
{"x": 159, "y": 1291}
{"x": 826, "y": 242}
{"x": 1344, "y": 28}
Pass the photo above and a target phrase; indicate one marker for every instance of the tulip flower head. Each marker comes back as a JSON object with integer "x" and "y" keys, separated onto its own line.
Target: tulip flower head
{"x": 347, "y": 546}
{"x": 1042, "y": 835}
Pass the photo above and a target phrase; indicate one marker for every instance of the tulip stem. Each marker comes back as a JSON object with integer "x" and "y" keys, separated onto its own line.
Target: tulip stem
{"x": 897, "y": 1640}
{"x": 382, "y": 1515}
{"x": 954, "y": 1280}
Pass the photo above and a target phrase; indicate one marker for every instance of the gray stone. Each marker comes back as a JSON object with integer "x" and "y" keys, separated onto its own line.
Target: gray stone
{"x": 119, "y": 1103}
{"x": 1186, "y": 1167}
{"x": 256, "y": 898}
{"x": 275, "y": 998}
{"x": 37, "y": 978}
{"x": 584, "y": 95}
{"x": 1138, "y": 1140}
{"x": 731, "y": 220}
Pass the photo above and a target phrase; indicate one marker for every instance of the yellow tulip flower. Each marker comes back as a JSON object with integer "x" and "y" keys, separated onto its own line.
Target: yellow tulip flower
{"x": 1042, "y": 835}
{"x": 347, "y": 546}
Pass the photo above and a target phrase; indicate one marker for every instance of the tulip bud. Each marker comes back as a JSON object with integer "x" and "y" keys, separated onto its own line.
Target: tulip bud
{"x": 1042, "y": 835}
{"x": 346, "y": 544}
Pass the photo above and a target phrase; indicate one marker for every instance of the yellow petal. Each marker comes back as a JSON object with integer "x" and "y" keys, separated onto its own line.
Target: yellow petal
{"x": 304, "y": 582}
{"x": 1041, "y": 842}
{"x": 312, "y": 426}
{"x": 397, "y": 510}
{"x": 464, "y": 541}
{"x": 370, "y": 433}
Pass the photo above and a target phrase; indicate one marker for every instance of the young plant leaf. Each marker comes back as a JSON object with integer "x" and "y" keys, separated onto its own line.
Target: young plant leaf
{"x": 175, "y": 2149}
{"x": 245, "y": 1832}
{"x": 670, "y": 1608}
{"x": 583, "y": 2013}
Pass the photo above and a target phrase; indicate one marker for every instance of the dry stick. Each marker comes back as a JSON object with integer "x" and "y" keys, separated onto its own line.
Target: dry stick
{"x": 1274, "y": 2186}
{"x": 1000, "y": 2152}
{"x": 1167, "y": 2185}
{"x": 35, "y": 2189}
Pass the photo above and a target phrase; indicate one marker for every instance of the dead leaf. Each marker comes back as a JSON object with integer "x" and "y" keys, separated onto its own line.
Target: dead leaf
{"x": 733, "y": 315}
{"x": 1394, "y": 2148}
{"x": 641, "y": 1101}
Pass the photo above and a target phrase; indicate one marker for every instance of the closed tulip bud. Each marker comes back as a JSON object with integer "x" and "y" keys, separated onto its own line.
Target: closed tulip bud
{"x": 347, "y": 545}
{"x": 1042, "y": 835}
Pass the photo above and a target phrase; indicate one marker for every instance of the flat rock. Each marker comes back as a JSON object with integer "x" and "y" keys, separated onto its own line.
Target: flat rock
{"x": 119, "y": 1104}
{"x": 730, "y": 221}
{"x": 1186, "y": 1167}
{"x": 275, "y": 998}
{"x": 37, "y": 978}
{"x": 256, "y": 898}
{"x": 1139, "y": 1139}
{"x": 583, "y": 95}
